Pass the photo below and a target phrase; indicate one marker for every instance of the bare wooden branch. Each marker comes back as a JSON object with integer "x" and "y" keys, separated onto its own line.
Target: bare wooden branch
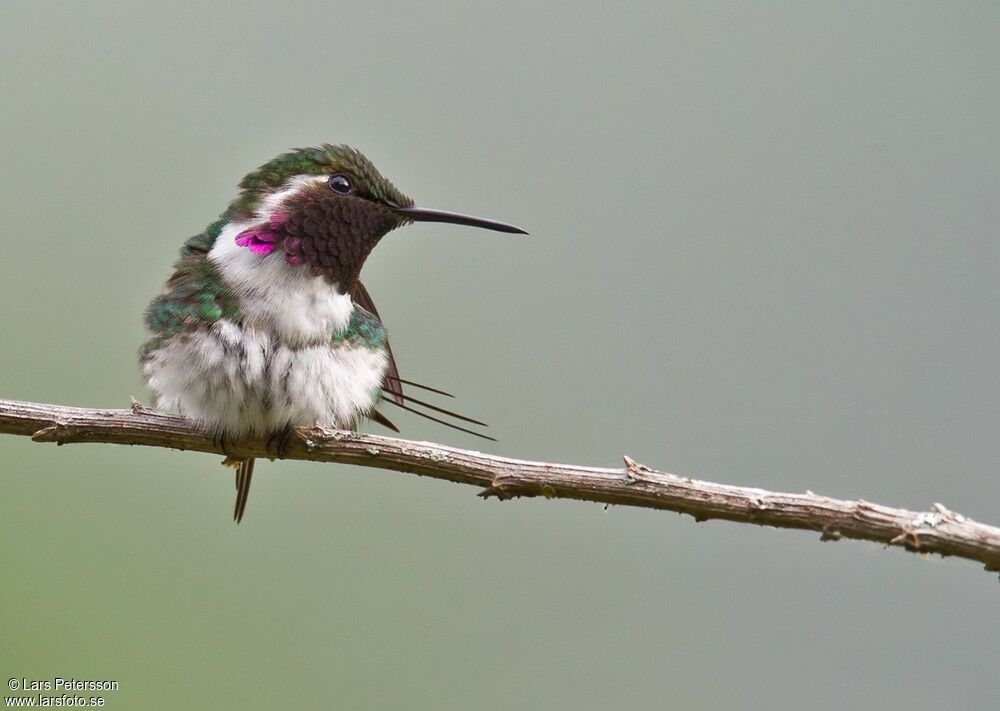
{"x": 937, "y": 531}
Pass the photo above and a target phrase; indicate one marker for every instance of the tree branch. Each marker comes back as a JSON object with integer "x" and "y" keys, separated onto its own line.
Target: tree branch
{"x": 938, "y": 531}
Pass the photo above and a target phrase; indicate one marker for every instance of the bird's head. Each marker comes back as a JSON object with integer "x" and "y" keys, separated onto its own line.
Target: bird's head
{"x": 324, "y": 209}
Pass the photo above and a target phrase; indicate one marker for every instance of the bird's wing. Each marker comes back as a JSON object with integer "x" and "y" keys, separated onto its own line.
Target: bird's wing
{"x": 194, "y": 297}
{"x": 391, "y": 384}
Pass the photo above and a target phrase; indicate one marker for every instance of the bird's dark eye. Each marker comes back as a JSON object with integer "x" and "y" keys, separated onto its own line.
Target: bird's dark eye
{"x": 340, "y": 183}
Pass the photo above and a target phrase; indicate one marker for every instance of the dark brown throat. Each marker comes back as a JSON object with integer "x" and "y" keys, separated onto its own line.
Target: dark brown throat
{"x": 332, "y": 235}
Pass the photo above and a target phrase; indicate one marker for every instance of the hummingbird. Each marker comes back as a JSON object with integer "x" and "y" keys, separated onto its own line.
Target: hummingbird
{"x": 265, "y": 325}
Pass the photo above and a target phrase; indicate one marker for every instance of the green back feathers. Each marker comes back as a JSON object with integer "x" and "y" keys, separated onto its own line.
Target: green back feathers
{"x": 195, "y": 296}
{"x": 364, "y": 329}
{"x": 202, "y": 243}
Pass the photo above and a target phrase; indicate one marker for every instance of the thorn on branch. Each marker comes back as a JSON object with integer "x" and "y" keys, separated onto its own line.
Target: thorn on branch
{"x": 948, "y": 514}
{"x": 635, "y": 472}
{"x": 495, "y": 489}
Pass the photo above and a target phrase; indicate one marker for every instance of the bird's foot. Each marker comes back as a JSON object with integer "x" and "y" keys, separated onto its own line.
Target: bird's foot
{"x": 279, "y": 441}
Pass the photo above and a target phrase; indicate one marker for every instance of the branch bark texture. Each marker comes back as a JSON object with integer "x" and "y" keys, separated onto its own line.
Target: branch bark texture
{"x": 937, "y": 531}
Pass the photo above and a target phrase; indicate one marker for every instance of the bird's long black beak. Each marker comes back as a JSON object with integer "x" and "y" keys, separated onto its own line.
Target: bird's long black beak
{"x": 422, "y": 214}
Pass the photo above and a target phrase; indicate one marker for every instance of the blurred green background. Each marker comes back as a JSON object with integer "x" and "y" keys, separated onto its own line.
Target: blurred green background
{"x": 764, "y": 251}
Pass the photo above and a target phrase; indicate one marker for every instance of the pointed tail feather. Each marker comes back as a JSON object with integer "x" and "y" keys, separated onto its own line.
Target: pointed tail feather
{"x": 243, "y": 476}
{"x": 383, "y": 420}
{"x": 398, "y": 379}
{"x": 440, "y": 421}
{"x": 435, "y": 408}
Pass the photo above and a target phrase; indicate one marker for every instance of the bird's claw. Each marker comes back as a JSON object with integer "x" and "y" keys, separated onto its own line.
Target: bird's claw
{"x": 279, "y": 442}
